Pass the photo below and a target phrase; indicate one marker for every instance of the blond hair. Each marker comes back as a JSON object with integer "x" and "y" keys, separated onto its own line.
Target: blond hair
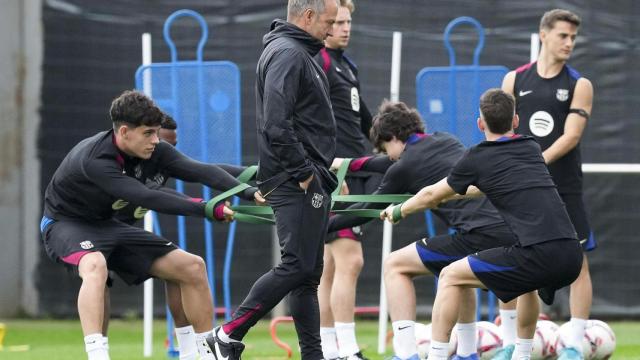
{"x": 348, "y": 4}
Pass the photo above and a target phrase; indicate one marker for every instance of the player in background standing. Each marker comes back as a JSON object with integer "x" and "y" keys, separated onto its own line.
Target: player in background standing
{"x": 554, "y": 103}
{"x": 343, "y": 258}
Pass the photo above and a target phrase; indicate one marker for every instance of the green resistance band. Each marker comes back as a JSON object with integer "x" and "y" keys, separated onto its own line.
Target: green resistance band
{"x": 381, "y": 198}
{"x": 247, "y": 174}
{"x": 238, "y": 216}
{"x": 342, "y": 172}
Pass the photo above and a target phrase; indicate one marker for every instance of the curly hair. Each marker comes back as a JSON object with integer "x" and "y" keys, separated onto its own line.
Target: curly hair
{"x": 133, "y": 108}
{"x": 394, "y": 119}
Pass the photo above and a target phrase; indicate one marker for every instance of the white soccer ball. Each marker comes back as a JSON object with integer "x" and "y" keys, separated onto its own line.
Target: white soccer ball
{"x": 542, "y": 339}
{"x": 489, "y": 339}
{"x": 603, "y": 339}
{"x": 560, "y": 339}
{"x": 423, "y": 340}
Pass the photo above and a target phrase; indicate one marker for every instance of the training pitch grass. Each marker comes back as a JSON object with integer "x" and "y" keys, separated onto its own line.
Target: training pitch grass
{"x": 62, "y": 340}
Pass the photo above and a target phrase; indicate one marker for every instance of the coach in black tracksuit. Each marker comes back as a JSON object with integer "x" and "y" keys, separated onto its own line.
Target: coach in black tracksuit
{"x": 296, "y": 139}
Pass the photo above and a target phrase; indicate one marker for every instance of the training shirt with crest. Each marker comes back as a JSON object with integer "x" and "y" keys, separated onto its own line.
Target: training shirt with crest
{"x": 353, "y": 119}
{"x": 543, "y": 105}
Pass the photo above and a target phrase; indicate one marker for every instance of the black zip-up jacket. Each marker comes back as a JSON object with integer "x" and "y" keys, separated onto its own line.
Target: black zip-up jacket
{"x": 96, "y": 179}
{"x": 296, "y": 128}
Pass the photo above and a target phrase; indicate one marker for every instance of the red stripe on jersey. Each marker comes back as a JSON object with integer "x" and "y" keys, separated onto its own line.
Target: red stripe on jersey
{"x": 525, "y": 67}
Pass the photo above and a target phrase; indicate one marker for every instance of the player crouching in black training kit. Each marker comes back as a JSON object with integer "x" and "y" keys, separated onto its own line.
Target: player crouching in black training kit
{"x": 198, "y": 172}
{"x": 104, "y": 173}
{"x": 421, "y": 159}
{"x": 510, "y": 170}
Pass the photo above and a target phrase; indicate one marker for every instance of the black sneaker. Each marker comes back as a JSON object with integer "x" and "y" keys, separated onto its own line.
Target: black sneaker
{"x": 222, "y": 350}
{"x": 356, "y": 356}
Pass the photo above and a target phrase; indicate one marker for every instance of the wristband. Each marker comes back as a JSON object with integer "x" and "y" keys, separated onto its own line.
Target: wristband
{"x": 214, "y": 211}
{"x": 396, "y": 214}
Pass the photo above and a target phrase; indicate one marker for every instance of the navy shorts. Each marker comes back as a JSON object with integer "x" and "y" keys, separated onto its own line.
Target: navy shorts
{"x": 512, "y": 271}
{"x": 440, "y": 251}
{"x": 363, "y": 184}
{"x": 578, "y": 215}
{"x": 130, "y": 251}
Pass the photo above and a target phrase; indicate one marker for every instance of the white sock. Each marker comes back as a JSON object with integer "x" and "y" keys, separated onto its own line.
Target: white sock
{"x": 187, "y": 342}
{"x": 523, "y": 349}
{"x": 577, "y": 326}
{"x": 467, "y": 339}
{"x": 404, "y": 338}
{"x": 509, "y": 319}
{"x": 329, "y": 342}
{"x": 438, "y": 351}
{"x": 204, "y": 351}
{"x": 346, "y": 334}
{"x": 220, "y": 334}
{"x": 105, "y": 342}
{"x": 94, "y": 346}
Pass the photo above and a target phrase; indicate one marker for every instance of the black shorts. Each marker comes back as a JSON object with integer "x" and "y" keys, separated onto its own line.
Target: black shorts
{"x": 363, "y": 184}
{"x": 512, "y": 271}
{"x": 440, "y": 251}
{"x": 130, "y": 251}
{"x": 578, "y": 215}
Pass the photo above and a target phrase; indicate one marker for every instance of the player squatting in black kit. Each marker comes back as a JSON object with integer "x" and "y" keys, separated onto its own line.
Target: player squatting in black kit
{"x": 512, "y": 174}
{"x": 426, "y": 160}
{"x": 543, "y": 105}
{"x": 296, "y": 140}
{"x": 95, "y": 180}
{"x": 353, "y": 121}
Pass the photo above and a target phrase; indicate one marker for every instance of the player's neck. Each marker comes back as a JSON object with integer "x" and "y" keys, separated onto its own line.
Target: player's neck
{"x": 547, "y": 66}
{"x": 119, "y": 142}
{"x": 493, "y": 137}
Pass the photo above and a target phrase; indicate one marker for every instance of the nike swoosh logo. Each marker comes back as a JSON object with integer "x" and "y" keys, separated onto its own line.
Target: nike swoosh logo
{"x": 404, "y": 327}
{"x": 338, "y": 69}
{"x": 218, "y": 353}
{"x": 523, "y": 93}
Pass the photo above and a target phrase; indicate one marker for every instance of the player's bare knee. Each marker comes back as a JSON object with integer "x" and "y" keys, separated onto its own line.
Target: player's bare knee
{"x": 448, "y": 277}
{"x": 353, "y": 264}
{"x": 391, "y": 265}
{"x": 193, "y": 270}
{"x": 93, "y": 266}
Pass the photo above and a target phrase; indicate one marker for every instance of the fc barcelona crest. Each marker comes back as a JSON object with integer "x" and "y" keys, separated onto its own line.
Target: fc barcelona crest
{"x": 562, "y": 94}
{"x": 316, "y": 201}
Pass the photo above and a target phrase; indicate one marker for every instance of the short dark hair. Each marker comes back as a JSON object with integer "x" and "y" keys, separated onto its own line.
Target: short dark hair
{"x": 394, "y": 119}
{"x": 133, "y": 108}
{"x": 497, "y": 108}
{"x": 168, "y": 123}
{"x": 551, "y": 17}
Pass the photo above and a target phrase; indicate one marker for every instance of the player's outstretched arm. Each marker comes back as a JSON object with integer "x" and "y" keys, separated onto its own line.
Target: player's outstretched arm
{"x": 574, "y": 125}
{"x": 428, "y": 197}
{"x": 472, "y": 192}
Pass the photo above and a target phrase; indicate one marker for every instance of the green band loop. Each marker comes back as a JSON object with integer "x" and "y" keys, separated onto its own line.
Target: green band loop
{"x": 211, "y": 204}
